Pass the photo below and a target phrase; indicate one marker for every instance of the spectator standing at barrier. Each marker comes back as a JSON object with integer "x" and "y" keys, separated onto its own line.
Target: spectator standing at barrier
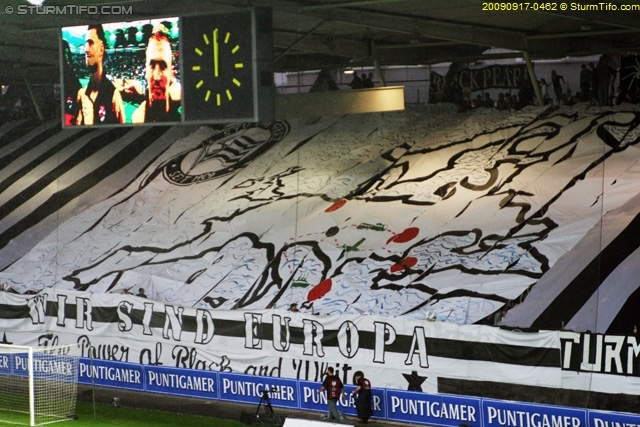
{"x": 334, "y": 387}
{"x": 585, "y": 82}
{"x": 501, "y": 103}
{"x": 324, "y": 82}
{"x": 558, "y": 83}
{"x": 367, "y": 81}
{"x": 363, "y": 78}
{"x": 525, "y": 94}
{"x": 364, "y": 399}
{"x": 621, "y": 97}
{"x": 466, "y": 95}
{"x": 356, "y": 83}
{"x": 99, "y": 102}
{"x": 512, "y": 102}
{"x": 544, "y": 90}
{"x": 488, "y": 102}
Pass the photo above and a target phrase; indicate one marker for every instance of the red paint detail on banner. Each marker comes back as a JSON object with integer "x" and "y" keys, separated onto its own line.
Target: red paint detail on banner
{"x": 337, "y": 205}
{"x": 410, "y": 261}
{"x": 320, "y": 290}
{"x": 408, "y": 234}
{"x": 396, "y": 267}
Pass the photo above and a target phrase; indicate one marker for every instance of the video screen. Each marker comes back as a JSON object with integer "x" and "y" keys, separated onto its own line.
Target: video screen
{"x": 215, "y": 68}
{"x": 122, "y": 73}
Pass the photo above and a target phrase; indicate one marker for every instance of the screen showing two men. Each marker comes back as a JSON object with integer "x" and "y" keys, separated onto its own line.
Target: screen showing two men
{"x": 168, "y": 70}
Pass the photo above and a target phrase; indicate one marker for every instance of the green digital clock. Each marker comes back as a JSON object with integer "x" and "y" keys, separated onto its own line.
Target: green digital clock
{"x": 222, "y": 57}
{"x": 219, "y": 84}
{"x": 218, "y": 66}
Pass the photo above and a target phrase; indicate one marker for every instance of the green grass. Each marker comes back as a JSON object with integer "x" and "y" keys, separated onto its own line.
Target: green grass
{"x": 107, "y": 415}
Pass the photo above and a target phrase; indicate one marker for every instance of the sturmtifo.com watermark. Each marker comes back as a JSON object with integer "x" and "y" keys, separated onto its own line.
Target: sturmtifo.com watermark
{"x": 69, "y": 9}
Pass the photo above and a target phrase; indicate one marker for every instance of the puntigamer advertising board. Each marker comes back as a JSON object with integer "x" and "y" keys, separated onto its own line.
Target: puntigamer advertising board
{"x": 388, "y": 404}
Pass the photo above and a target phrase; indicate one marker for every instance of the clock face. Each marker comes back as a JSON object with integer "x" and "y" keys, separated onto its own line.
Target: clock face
{"x": 218, "y": 67}
{"x": 216, "y": 46}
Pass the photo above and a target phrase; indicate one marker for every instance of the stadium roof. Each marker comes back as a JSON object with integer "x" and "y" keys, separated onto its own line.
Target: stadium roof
{"x": 336, "y": 33}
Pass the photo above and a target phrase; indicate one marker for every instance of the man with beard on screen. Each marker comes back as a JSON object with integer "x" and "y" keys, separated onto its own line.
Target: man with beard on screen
{"x": 100, "y": 102}
{"x": 162, "y": 99}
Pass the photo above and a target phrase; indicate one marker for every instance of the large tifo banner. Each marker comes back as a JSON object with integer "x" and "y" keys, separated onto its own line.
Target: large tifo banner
{"x": 134, "y": 343}
{"x": 394, "y": 352}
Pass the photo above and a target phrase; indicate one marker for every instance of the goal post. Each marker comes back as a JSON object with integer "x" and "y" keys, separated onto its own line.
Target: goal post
{"x": 38, "y": 385}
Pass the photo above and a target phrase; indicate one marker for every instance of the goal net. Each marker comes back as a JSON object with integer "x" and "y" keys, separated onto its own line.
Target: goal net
{"x": 38, "y": 385}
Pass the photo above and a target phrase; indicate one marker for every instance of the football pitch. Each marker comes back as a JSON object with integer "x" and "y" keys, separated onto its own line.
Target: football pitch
{"x": 108, "y": 416}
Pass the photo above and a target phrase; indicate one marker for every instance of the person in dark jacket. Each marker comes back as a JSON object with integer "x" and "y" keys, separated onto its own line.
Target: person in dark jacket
{"x": 99, "y": 102}
{"x": 334, "y": 387}
{"x": 364, "y": 399}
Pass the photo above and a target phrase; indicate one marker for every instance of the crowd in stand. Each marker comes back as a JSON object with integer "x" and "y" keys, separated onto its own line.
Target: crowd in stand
{"x": 600, "y": 85}
{"x": 363, "y": 82}
{"x": 16, "y": 104}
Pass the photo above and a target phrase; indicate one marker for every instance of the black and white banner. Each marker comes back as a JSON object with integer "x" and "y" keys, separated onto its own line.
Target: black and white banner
{"x": 394, "y": 353}
{"x": 441, "y": 87}
{"x": 370, "y": 224}
{"x": 391, "y": 215}
{"x": 243, "y": 356}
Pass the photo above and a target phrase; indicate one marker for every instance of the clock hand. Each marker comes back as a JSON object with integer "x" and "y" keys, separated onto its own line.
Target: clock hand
{"x": 215, "y": 52}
